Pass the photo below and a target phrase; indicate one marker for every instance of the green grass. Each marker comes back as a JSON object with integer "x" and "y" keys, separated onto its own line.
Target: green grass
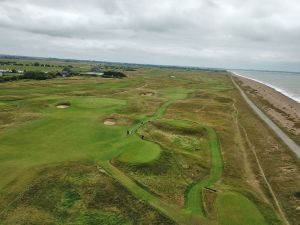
{"x": 70, "y": 134}
{"x": 3, "y": 104}
{"x": 235, "y": 209}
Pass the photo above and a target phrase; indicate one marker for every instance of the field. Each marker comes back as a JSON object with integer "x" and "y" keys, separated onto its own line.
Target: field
{"x": 161, "y": 146}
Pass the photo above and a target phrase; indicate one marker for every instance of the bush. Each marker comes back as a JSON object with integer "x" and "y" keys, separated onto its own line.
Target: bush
{"x": 38, "y": 75}
{"x": 114, "y": 74}
{"x": 10, "y": 78}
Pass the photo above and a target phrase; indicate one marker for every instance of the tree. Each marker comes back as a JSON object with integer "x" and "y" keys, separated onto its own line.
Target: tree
{"x": 38, "y": 75}
{"x": 114, "y": 74}
{"x": 67, "y": 69}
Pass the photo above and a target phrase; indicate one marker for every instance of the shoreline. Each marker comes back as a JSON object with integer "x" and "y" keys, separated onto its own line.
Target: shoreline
{"x": 278, "y": 89}
{"x": 281, "y": 109}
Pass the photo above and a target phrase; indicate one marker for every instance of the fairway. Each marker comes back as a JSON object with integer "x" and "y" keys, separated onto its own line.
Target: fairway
{"x": 84, "y": 143}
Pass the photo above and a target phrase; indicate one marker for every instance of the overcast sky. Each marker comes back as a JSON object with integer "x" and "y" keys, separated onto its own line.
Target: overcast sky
{"x": 261, "y": 34}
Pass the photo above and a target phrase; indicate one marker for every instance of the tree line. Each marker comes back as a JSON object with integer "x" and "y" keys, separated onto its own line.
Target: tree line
{"x": 39, "y": 75}
{"x": 34, "y": 75}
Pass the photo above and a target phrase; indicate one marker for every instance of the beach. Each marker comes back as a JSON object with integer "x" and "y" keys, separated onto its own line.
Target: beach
{"x": 281, "y": 109}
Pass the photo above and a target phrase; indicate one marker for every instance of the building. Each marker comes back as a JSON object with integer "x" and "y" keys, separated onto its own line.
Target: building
{"x": 4, "y": 71}
{"x": 92, "y": 73}
{"x": 63, "y": 74}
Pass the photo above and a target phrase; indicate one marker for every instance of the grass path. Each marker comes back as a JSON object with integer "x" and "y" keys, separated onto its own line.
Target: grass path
{"x": 194, "y": 197}
{"x": 155, "y": 116}
{"x": 179, "y": 215}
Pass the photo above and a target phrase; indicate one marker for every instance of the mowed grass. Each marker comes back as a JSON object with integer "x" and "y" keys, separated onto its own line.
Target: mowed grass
{"x": 72, "y": 133}
{"x": 62, "y": 134}
{"x": 236, "y": 209}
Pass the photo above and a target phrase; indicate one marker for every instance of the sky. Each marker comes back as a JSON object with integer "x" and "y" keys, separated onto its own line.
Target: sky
{"x": 250, "y": 34}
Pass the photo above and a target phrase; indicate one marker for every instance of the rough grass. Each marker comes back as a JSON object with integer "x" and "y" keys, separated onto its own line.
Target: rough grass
{"x": 75, "y": 193}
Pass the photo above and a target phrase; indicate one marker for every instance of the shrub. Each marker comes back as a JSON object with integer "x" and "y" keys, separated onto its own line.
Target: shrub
{"x": 38, "y": 75}
{"x": 114, "y": 74}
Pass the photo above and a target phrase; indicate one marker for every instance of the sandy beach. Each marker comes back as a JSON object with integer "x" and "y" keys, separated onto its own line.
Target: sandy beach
{"x": 280, "y": 108}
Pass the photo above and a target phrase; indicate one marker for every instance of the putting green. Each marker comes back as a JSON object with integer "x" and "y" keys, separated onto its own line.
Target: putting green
{"x": 139, "y": 151}
{"x": 235, "y": 209}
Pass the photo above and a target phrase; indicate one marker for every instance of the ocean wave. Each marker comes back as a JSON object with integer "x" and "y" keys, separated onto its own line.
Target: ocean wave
{"x": 282, "y": 91}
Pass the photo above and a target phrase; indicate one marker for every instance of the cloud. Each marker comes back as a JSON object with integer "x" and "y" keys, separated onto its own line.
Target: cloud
{"x": 217, "y": 33}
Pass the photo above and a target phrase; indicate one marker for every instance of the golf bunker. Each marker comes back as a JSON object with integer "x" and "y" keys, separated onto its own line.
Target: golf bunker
{"x": 63, "y": 105}
{"x": 110, "y": 121}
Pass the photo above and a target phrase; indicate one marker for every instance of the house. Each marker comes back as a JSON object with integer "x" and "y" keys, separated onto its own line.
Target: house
{"x": 5, "y": 71}
{"x": 63, "y": 74}
{"x": 92, "y": 74}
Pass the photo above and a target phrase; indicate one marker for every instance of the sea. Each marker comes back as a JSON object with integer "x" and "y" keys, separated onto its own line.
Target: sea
{"x": 288, "y": 83}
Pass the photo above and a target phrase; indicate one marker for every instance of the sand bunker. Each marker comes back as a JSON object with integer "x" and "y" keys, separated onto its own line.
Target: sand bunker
{"x": 63, "y": 105}
{"x": 147, "y": 93}
{"x": 110, "y": 121}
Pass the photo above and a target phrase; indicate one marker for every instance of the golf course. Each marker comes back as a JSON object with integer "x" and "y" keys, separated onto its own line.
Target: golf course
{"x": 159, "y": 146}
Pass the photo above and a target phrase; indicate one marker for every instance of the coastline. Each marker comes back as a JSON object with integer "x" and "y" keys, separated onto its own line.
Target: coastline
{"x": 283, "y": 110}
{"x": 278, "y": 89}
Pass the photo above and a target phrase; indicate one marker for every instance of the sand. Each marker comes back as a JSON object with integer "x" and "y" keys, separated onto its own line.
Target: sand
{"x": 280, "y": 108}
{"x": 110, "y": 121}
{"x": 62, "y": 106}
